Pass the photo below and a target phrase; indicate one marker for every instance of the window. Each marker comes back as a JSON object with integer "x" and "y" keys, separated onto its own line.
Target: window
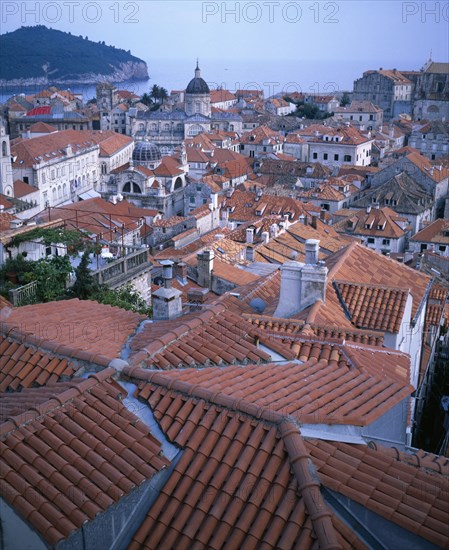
{"x": 192, "y": 200}
{"x": 325, "y": 156}
{"x": 360, "y": 118}
{"x": 371, "y": 240}
{"x": 442, "y": 248}
{"x": 347, "y": 158}
{"x": 371, "y": 117}
{"x": 386, "y": 242}
{"x": 336, "y": 157}
{"x": 315, "y": 156}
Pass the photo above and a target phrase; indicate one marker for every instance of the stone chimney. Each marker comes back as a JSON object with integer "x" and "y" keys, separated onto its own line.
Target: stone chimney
{"x": 196, "y": 297}
{"x": 249, "y": 235}
{"x": 167, "y": 302}
{"x": 205, "y": 268}
{"x": 302, "y": 284}
{"x": 265, "y": 237}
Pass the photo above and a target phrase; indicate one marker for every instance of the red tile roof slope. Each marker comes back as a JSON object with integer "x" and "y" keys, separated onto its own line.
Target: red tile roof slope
{"x": 212, "y": 337}
{"x": 373, "y": 307}
{"x": 83, "y": 329}
{"x": 293, "y": 328}
{"x": 245, "y": 474}
{"x": 388, "y": 483}
{"x": 24, "y": 366}
{"x": 77, "y": 453}
{"x": 326, "y": 391}
{"x": 240, "y": 482}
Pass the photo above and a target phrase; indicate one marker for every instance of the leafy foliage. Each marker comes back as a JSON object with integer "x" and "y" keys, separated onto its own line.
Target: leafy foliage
{"x": 310, "y": 111}
{"x": 71, "y": 238}
{"x": 86, "y": 288}
{"x": 50, "y": 273}
{"x": 35, "y": 51}
{"x": 345, "y": 100}
{"x": 85, "y": 285}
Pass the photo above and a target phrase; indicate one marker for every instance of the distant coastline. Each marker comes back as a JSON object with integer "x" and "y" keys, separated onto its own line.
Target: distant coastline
{"x": 41, "y": 56}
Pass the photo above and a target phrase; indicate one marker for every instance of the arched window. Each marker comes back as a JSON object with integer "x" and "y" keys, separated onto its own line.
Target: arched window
{"x": 166, "y": 127}
{"x": 103, "y": 168}
{"x": 195, "y": 129}
{"x": 131, "y": 187}
{"x": 178, "y": 183}
{"x": 54, "y": 194}
{"x": 141, "y": 127}
{"x": 59, "y": 192}
{"x": 154, "y": 127}
{"x": 64, "y": 189}
{"x": 197, "y": 107}
{"x": 4, "y": 152}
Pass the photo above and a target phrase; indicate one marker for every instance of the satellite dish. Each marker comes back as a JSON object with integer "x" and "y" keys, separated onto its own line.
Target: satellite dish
{"x": 258, "y": 305}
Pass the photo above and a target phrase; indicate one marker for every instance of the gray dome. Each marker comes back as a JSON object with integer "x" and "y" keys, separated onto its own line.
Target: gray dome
{"x": 197, "y": 85}
{"x": 146, "y": 151}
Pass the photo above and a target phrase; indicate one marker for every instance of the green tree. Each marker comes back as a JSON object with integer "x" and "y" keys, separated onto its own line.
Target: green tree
{"x": 163, "y": 94}
{"x": 154, "y": 92}
{"x": 345, "y": 100}
{"x": 85, "y": 286}
{"x": 146, "y": 99}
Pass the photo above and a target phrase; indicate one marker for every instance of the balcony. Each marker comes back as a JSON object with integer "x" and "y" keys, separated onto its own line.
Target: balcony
{"x": 122, "y": 271}
{"x": 24, "y": 295}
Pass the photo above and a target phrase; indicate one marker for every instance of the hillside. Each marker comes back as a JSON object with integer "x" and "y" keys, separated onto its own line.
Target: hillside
{"x": 39, "y": 55}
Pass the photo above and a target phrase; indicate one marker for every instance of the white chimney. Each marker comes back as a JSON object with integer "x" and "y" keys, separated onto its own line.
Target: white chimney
{"x": 265, "y": 237}
{"x": 249, "y": 235}
{"x": 302, "y": 284}
{"x": 312, "y": 251}
{"x": 368, "y": 209}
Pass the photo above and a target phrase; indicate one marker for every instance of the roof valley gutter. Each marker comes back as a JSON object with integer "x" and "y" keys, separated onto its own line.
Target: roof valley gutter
{"x": 346, "y": 515}
{"x": 126, "y": 349}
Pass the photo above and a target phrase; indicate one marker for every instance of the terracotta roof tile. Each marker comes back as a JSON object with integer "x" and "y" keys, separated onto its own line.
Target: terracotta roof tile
{"x": 212, "y": 337}
{"x": 23, "y": 366}
{"x": 83, "y": 329}
{"x": 61, "y": 449}
{"x": 373, "y": 307}
{"x": 246, "y": 477}
{"x": 389, "y": 483}
{"x": 331, "y": 391}
{"x": 237, "y": 481}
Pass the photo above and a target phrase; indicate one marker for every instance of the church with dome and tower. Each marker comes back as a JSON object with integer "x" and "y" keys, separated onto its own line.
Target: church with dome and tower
{"x": 168, "y": 128}
{"x": 150, "y": 180}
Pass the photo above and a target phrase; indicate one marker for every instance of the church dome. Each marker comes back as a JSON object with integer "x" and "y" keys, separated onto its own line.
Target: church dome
{"x": 145, "y": 152}
{"x": 197, "y": 85}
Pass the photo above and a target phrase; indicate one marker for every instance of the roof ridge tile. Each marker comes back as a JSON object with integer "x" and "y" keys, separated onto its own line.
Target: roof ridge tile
{"x": 316, "y": 506}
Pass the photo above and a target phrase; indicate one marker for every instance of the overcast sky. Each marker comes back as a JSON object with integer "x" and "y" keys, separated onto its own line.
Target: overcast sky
{"x": 391, "y": 34}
